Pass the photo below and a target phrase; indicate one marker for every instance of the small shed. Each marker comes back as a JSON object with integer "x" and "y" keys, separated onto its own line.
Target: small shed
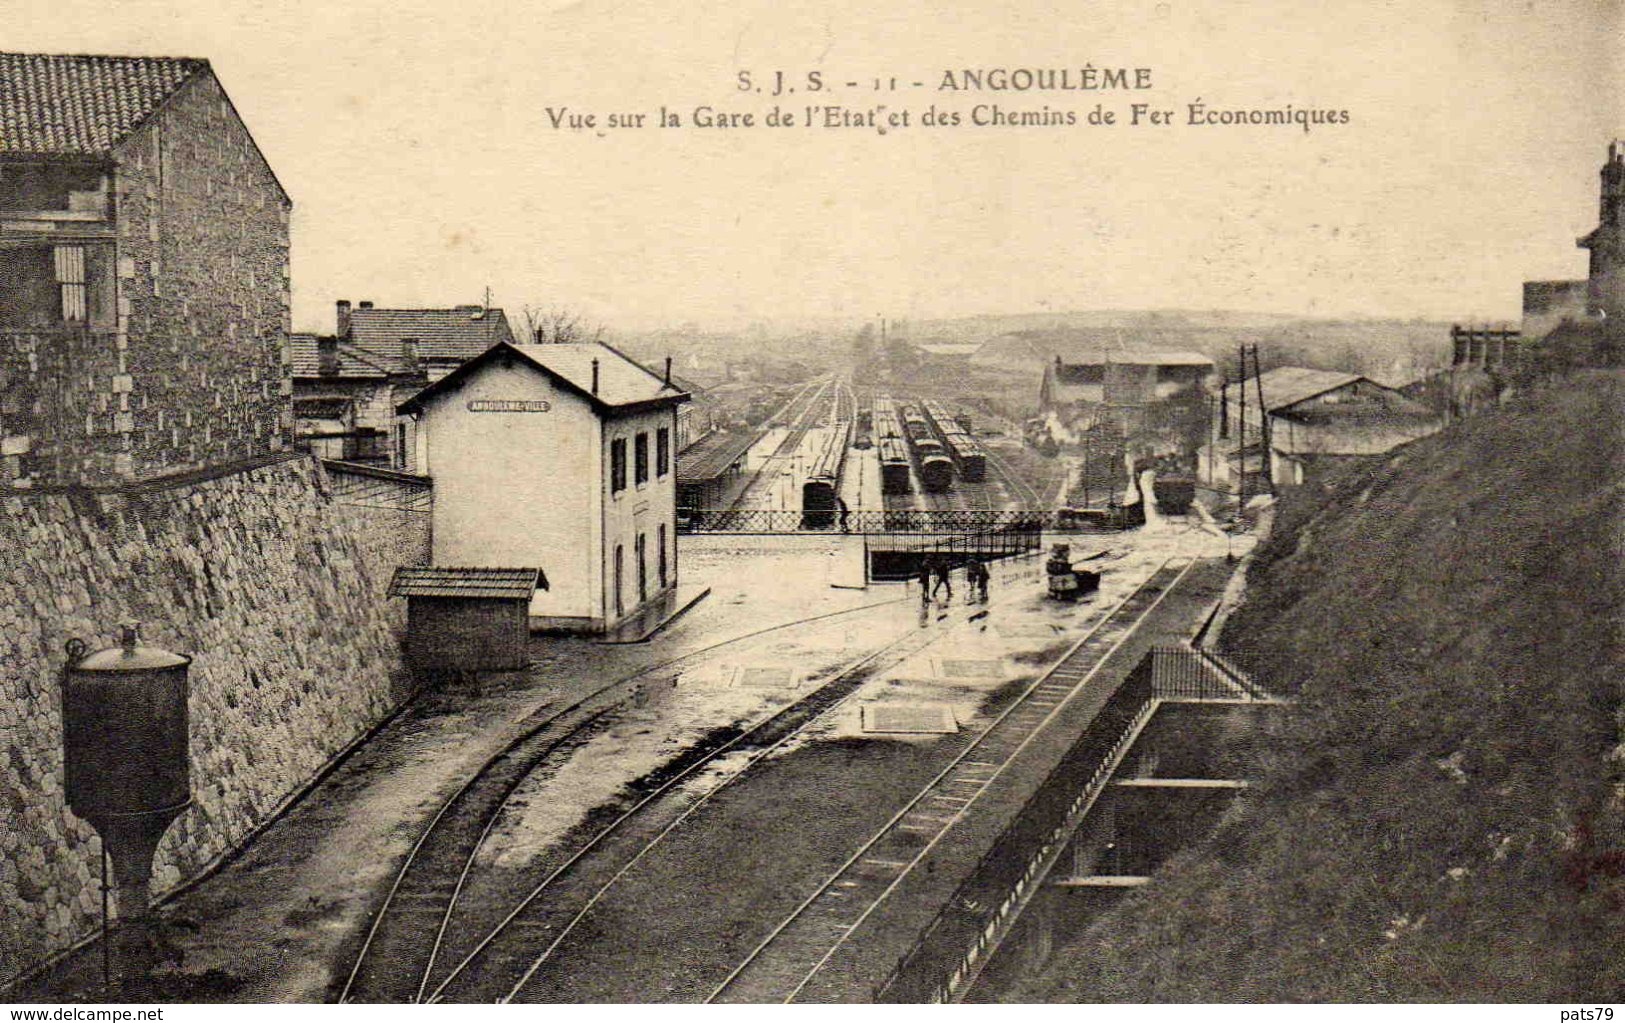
{"x": 467, "y": 619}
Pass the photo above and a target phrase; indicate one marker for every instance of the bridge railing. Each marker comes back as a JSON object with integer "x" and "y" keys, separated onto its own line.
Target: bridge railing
{"x": 952, "y": 949}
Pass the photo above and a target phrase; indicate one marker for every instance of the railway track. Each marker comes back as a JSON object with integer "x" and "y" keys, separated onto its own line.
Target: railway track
{"x": 810, "y": 407}
{"x": 405, "y": 940}
{"x": 785, "y": 963}
{"x": 507, "y": 960}
{"x": 1026, "y": 497}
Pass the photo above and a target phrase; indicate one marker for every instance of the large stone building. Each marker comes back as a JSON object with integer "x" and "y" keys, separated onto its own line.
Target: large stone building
{"x": 143, "y": 274}
{"x": 348, "y": 383}
{"x": 559, "y": 457}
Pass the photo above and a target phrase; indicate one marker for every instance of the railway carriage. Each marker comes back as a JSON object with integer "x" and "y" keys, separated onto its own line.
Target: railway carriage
{"x": 821, "y": 487}
{"x": 894, "y": 476}
{"x": 968, "y": 456}
{"x": 936, "y": 472}
{"x": 915, "y": 425}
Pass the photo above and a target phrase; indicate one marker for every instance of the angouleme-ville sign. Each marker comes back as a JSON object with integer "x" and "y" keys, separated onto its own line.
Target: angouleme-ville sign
{"x": 508, "y": 405}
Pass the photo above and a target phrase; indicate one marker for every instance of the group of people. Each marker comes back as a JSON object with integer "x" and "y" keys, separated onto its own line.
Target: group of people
{"x": 936, "y": 575}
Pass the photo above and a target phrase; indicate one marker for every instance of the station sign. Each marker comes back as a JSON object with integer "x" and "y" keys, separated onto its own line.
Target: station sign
{"x": 508, "y": 405}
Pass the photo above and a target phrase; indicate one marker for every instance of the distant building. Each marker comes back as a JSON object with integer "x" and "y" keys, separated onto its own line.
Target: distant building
{"x": 1314, "y": 416}
{"x": 1606, "y": 280}
{"x": 143, "y": 274}
{"x": 1124, "y": 378}
{"x": 559, "y": 457}
{"x": 347, "y": 384}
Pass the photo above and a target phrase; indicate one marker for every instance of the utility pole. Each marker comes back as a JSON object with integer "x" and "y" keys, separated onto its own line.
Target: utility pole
{"x": 1241, "y": 429}
{"x": 1264, "y": 424}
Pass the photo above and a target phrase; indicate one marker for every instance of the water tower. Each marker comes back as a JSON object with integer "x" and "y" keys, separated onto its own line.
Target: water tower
{"x": 124, "y": 724}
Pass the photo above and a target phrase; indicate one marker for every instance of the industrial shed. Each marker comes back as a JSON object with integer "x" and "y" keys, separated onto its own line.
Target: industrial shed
{"x": 710, "y": 473}
{"x": 467, "y": 619}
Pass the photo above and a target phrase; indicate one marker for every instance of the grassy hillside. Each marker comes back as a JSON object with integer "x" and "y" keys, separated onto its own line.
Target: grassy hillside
{"x": 1443, "y": 816}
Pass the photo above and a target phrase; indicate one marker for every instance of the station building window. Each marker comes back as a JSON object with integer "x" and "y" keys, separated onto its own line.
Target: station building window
{"x": 640, "y": 459}
{"x": 643, "y": 567}
{"x": 620, "y": 558}
{"x": 617, "y": 465}
{"x": 662, "y": 451}
{"x": 662, "y": 553}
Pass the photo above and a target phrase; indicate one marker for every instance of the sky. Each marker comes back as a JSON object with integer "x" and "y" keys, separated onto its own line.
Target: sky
{"x": 416, "y": 141}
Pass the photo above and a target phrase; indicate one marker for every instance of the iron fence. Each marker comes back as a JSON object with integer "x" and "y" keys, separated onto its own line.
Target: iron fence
{"x": 1182, "y": 671}
{"x": 894, "y": 556}
{"x": 899, "y": 521}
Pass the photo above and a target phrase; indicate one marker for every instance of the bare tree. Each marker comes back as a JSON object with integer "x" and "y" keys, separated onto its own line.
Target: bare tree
{"x": 557, "y": 326}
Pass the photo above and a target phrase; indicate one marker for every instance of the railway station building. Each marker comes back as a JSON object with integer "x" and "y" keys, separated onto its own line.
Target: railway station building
{"x": 559, "y": 457}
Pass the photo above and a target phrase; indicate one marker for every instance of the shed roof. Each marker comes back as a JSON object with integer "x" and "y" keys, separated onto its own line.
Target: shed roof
{"x": 467, "y": 583}
{"x": 82, "y": 105}
{"x": 1288, "y": 385}
{"x": 1135, "y": 357}
{"x": 621, "y": 382}
{"x": 710, "y": 456}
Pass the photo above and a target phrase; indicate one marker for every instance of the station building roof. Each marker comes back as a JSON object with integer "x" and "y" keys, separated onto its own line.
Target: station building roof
{"x": 622, "y": 384}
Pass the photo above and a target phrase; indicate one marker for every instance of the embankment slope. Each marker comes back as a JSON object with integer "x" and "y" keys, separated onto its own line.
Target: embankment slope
{"x": 1442, "y": 815}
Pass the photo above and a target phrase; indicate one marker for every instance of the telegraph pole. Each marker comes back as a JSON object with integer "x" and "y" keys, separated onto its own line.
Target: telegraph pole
{"x": 1241, "y": 429}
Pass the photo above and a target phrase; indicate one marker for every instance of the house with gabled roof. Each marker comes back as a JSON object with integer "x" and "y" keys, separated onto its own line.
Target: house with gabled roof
{"x": 350, "y": 381}
{"x": 143, "y": 274}
{"x": 560, "y": 457}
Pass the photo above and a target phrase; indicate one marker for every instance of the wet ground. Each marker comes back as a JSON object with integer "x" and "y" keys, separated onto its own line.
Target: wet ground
{"x": 279, "y": 922}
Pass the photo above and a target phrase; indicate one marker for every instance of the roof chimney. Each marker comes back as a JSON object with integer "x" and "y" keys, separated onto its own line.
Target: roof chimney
{"x": 409, "y": 352}
{"x": 343, "y": 317}
{"x": 327, "y": 356}
{"x": 595, "y": 376}
{"x": 668, "y": 371}
{"x": 366, "y": 305}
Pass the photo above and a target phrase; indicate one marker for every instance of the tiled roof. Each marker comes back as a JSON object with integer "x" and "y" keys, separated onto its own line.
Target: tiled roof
{"x": 353, "y": 362}
{"x": 82, "y": 105}
{"x": 441, "y": 334}
{"x": 469, "y": 583}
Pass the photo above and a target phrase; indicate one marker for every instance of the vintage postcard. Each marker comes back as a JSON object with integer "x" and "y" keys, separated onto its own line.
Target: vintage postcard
{"x": 683, "y": 503}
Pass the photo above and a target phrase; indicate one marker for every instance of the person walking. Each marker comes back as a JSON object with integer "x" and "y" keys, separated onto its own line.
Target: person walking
{"x": 943, "y": 581}
{"x": 976, "y": 578}
{"x": 843, "y": 510}
{"x": 927, "y": 567}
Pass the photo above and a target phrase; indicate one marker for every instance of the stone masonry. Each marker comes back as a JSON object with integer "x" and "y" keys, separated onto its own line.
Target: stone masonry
{"x": 278, "y": 591}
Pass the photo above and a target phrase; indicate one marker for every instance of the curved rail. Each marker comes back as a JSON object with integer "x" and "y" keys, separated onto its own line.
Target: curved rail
{"x": 488, "y": 806}
{"x": 738, "y": 742}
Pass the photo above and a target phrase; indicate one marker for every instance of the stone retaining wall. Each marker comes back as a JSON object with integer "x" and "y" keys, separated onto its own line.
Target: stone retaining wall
{"x": 272, "y": 584}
